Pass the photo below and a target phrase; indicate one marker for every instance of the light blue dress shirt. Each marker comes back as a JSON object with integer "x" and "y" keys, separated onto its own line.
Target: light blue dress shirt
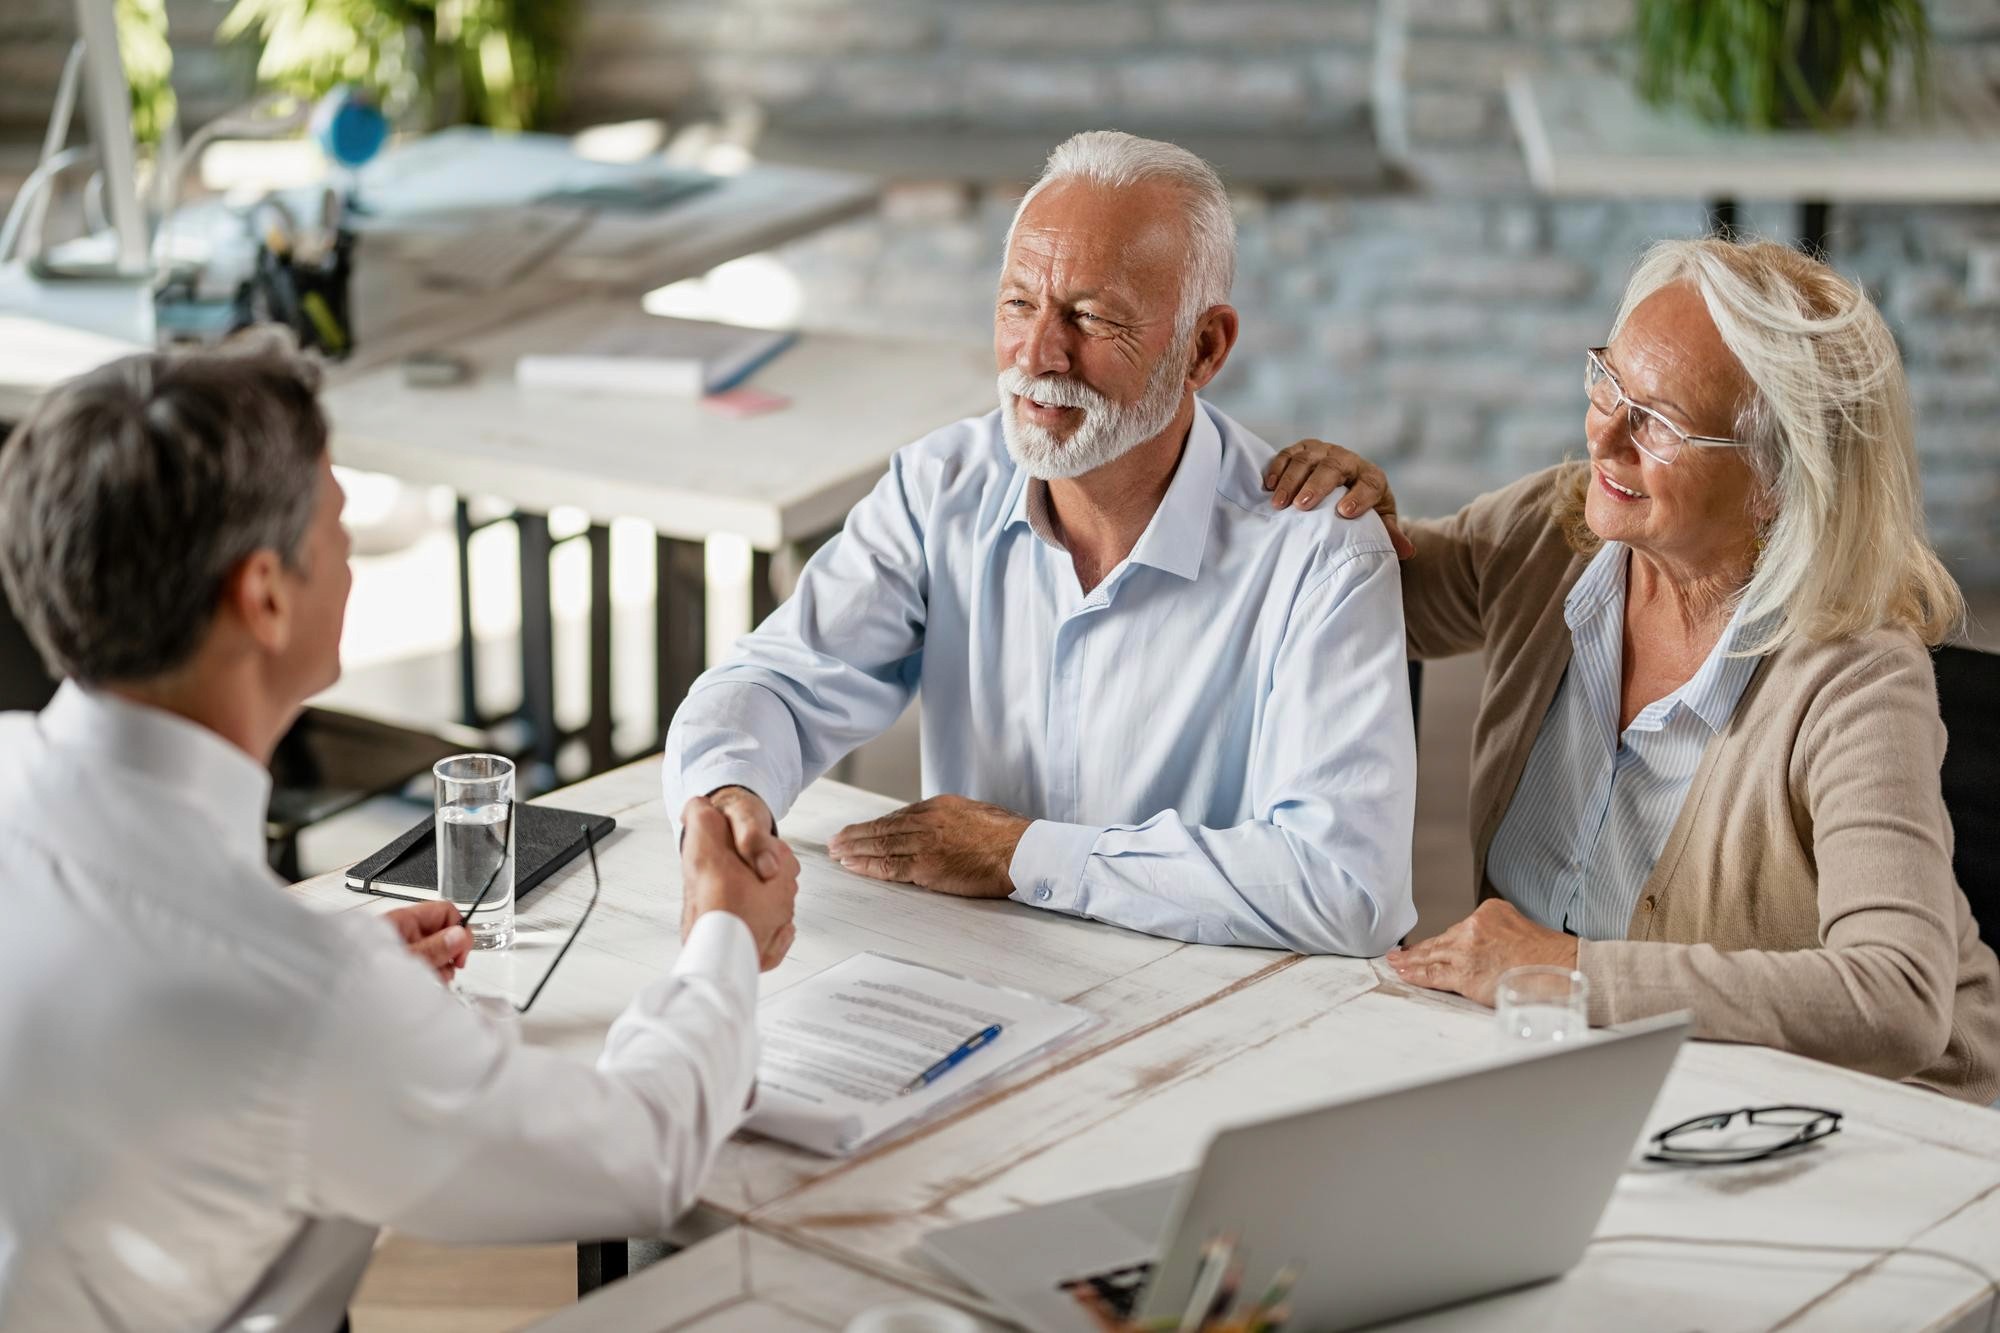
{"x": 1215, "y": 743}
{"x": 1594, "y": 807}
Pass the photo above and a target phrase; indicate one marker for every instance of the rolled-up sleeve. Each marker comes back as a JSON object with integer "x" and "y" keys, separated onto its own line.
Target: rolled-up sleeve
{"x": 1324, "y": 865}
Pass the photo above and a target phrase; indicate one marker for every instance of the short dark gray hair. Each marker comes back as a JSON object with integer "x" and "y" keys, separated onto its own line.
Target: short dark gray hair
{"x": 130, "y": 493}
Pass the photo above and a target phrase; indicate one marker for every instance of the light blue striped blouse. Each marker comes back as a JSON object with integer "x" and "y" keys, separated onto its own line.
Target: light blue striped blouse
{"x": 1594, "y": 808}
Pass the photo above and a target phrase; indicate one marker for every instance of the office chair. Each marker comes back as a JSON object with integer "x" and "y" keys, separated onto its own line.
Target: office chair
{"x": 307, "y": 1290}
{"x": 1968, "y": 683}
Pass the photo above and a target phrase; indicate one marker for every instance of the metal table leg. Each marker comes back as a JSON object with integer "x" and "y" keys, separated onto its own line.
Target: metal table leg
{"x": 1813, "y": 227}
{"x": 538, "y": 659}
{"x": 763, "y": 596}
{"x": 468, "y": 679}
{"x": 681, "y": 625}
{"x": 599, "y": 1263}
{"x": 597, "y": 730}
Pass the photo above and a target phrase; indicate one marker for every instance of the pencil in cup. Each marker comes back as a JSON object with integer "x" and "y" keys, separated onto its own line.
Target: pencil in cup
{"x": 1212, "y": 1305}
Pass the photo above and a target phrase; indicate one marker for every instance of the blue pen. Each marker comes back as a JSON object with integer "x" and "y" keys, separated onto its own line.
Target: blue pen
{"x": 965, "y": 1048}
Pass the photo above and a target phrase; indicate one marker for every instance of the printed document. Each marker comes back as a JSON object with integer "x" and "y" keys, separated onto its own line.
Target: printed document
{"x": 840, "y": 1047}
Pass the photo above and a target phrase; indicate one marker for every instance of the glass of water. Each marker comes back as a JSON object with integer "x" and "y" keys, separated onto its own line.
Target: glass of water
{"x": 1543, "y": 1004}
{"x": 475, "y": 843}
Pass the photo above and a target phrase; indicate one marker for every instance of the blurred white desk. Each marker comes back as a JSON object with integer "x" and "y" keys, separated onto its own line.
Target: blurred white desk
{"x": 37, "y": 354}
{"x": 1586, "y": 133}
{"x": 775, "y": 480}
{"x": 52, "y": 331}
{"x": 643, "y": 461}
{"x": 1196, "y": 1037}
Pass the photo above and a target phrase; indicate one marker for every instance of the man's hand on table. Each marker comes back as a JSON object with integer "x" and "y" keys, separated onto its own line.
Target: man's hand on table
{"x": 432, "y": 932}
{"x": 947, "y": 844}
{"x": 716, "y": 878}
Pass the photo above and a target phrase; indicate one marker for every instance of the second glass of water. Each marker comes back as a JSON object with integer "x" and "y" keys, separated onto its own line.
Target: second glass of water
{"x": 1543, "y": 1004}
{"x": 475, "y": 843}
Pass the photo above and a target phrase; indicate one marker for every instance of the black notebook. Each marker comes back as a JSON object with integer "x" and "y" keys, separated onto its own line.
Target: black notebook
{"x": 545, "y": 840}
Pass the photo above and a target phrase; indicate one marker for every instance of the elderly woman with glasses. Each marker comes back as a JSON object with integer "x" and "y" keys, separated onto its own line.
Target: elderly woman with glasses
{"x": 1705, "y": 766}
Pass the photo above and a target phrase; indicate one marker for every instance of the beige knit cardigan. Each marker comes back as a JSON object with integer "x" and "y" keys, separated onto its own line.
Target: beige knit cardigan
{"x": 1805, "y": 897}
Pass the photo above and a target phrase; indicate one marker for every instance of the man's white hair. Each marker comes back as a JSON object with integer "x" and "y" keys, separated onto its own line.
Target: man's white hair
{"x": 1829, "y": 433}
{"x": 1118, "y": 160}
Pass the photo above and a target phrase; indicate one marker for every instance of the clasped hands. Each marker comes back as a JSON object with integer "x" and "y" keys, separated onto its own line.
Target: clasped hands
{"x": 729, "y": 862}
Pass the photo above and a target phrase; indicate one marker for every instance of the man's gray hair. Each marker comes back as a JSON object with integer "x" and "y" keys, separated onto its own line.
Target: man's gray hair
{"x": 1116, "y": 159}
{"x": 130, "y": 493}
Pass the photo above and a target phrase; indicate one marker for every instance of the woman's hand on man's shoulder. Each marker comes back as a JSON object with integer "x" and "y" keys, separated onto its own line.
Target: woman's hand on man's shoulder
{"x": 1302, "y": 475}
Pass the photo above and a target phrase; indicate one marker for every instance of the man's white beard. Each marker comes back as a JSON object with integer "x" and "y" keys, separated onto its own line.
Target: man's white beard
{"x": 1108, "y": 431}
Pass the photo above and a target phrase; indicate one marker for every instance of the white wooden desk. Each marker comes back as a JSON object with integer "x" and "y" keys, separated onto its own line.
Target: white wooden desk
{"x": 1134, "y": 982}
{"x": 1197, "y": 1036}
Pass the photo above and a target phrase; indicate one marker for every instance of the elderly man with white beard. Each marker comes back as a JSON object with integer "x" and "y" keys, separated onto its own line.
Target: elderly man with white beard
{"x": 1149, "y": 697}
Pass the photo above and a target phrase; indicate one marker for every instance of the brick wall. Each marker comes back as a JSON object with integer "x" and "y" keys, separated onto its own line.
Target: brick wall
{"x": 1259, "y": 64}
{"x": 1434, "y": 318}
{"x": 1437, "y": 323}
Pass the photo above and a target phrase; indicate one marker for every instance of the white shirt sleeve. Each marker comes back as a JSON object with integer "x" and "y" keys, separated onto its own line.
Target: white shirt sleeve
{"x": 834, "y": 666}
{"x": 422, "y": 1115}
{"x": 1324, "y": 866}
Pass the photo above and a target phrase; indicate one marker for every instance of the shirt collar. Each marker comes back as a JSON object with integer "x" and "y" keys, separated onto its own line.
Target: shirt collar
{"x": 1176, "y": 538}
{"x": 1600, "y": 586}
{"x": 227, "y": 785}
{"x": 1711, "y": 693}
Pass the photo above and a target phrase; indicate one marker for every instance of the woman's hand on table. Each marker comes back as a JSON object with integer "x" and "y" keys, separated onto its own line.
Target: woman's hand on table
{"x": 1469, "y": 958}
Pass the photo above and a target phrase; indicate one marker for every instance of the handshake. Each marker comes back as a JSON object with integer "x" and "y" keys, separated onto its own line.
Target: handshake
{"x": 732, "y": 860}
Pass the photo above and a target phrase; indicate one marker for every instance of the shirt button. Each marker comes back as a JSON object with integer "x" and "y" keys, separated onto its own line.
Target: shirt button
{"x": 1646, "y": 903}
{"x": 1042, "y": 894}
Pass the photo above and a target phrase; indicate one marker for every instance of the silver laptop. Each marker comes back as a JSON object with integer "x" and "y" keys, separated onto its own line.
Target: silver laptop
{"x": 1388, "y": 1203}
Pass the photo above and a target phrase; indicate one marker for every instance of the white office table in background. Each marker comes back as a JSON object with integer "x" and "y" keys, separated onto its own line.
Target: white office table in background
{"x": 50, "y": 332}
{"x": 1197, "y": 1036}
{"x": 776, "y": 480}
{"x": 613, "y": 257}
{"x": 1586, "y": 133}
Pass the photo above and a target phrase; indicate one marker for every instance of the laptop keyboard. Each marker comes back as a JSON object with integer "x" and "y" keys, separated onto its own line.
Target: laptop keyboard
{"x": 1118, "y": 1289}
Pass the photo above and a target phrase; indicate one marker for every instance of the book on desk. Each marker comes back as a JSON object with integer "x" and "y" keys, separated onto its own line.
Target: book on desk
{"x": 661, "y": 357}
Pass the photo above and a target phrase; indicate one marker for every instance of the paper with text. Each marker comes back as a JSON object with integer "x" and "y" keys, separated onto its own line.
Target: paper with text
{"x": 839, "y": 1047}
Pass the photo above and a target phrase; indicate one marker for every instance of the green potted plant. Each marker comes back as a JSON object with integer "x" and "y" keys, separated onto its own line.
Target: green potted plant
{"x": 1768, "y": 64}
{"x": 428, "y": 62}
{"x": 149, "y": 66}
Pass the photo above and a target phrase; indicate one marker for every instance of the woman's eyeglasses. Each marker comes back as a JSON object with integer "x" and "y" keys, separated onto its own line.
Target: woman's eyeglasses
{"x": 1746, "y": 1135}
{"x": 596, "y": 886}
{"x": 1656, "y": 437}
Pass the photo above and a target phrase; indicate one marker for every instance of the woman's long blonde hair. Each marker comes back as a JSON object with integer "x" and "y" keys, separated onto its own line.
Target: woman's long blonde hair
{"x": 1830, "y": 437}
